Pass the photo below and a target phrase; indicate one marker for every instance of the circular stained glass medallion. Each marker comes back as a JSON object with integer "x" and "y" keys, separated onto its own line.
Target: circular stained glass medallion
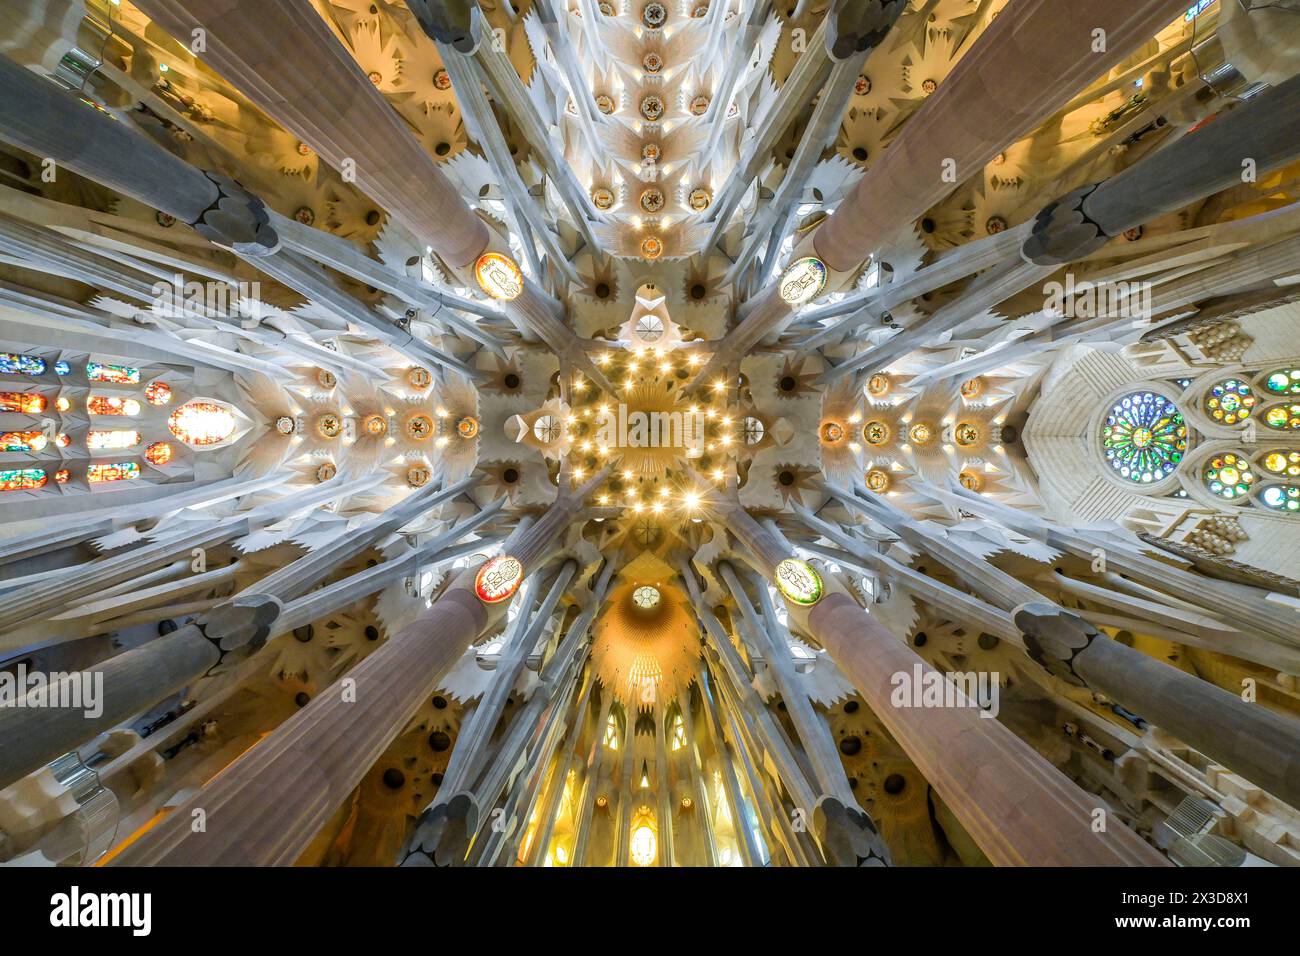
{"x": 1144, "y": 437}
{"x": 1230, "y": 401}
{"x": 1229, "y": 476}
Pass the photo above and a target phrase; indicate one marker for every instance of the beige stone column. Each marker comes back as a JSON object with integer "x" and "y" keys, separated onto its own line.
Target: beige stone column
{"x": 1018, "y": 808}
{"x": 283, "y": 57}
{"x": 1032, "y": 58}
{"x": 263, "y": 809}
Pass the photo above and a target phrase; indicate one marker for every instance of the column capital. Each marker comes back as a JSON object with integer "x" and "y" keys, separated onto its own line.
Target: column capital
{"x": 236, "y": 219}
{"x": 1063, "y": 232}
{"x": 1054, "y": 638}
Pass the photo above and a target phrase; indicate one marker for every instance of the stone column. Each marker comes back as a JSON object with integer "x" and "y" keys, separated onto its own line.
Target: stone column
{"x": 121, "y": 686}
{"x": 1210, "y": 719}
{"x": 50, "y": 122}
{"x": 138, "y": 678}
{"x": 1018, "y": 808}
{"x": 1026, "y": 65}
{"x": 283, "y": 57}
{"x": 1248, "y": 738}
{"x": 1256, "y": 137}
{"x": 264, "y": 808}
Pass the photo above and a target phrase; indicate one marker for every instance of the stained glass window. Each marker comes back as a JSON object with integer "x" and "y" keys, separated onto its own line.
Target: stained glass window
{"x": 1282, "y": 462}
{"x": 644, "y": 845}
{"x": 62, "y": 476}
{"x": 23, "y": 441}
{"x": 1283, "y": 417}
{"x": 63, "y": 403}
{"x": 159, "y": 453}
{"x": 21, "y": 364}
{"x": 201, "y": 423}
{"x": 1230, "y": 401}
{"x": 112, "y": 471}
{"x": 27, "y": 402}
{"x": 118, "y": 374}
{"x": 1281, "y": 497}
{"x": 112, "y": 405}
{"x": 22, "y": 479}
{"x": 1285, "y": 381}
{"x": 62, "y": 368}
{"x": 679, "y": 733}
{"x": 611, "y": 733}
{"x": 63, "y": 439}
{"x": 158, "y": 393}
{"x": 1144, "y": 437}
{"x": 1229, "y": 476}
{"x": 98, "y": 438}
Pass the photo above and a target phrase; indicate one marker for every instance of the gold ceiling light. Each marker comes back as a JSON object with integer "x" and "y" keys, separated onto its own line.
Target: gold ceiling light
{"x": 972, "y": 388}
{"x": 326, "y": 471}
{"x": 878, "y": 480}
{"x": 921, "y": 433}
{"x": 417, "y": 476}
{"x": 467, "y": 427}
{"x": 325, "y": 378}
{"x": 652, "y": 108}
{"x": 418, "y": 377}
{"x": 654, "y": 15}
{"x": 329, "y": 425}
{"x": 602, "y": 197}
{"x": 652, "y": 201}
{"x": 832, "y": 433}
{"x": 876, "y": 433}
{"x": 652, "y": 247}
{"x": 970, "y": 481}
{"x": 700, "y": 199}
{"x": 419, "y": 427}
{"x": 967, "y": 433}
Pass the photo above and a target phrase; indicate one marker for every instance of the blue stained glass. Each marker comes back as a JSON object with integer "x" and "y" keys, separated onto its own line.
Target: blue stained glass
{"x": 21, "y": 364}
